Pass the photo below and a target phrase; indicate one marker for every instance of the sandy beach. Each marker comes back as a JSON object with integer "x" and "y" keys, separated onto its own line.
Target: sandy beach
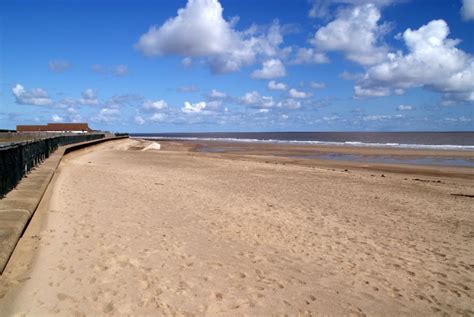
{"x": 174, "y": 231}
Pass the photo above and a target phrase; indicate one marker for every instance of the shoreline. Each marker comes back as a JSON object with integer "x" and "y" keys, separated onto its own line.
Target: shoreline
{"x": 292, "y": 154}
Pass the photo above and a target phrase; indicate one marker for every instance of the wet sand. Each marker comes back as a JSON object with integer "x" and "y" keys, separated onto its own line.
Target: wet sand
{"x": 175, "y": 231}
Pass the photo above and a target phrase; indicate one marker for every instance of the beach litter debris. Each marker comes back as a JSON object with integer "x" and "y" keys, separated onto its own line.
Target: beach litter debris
{"x": 463, "y": 195}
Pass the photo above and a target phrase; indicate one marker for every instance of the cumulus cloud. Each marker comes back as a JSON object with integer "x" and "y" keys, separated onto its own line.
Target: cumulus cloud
{"x": 361, "y": 92}
{"x": 433, "y": 61}
{"x": 158, "y": 105}
{"x": 158, "y": 117}
{"x": 139, "y": 120}
{"x": 200, "y": 30}
{"x": 381, "y": 117}
{"x": 272, "y": 68}
{"x": 73, "y": 115}
{"x": 89, "y": 94}
{"x": 121, "y": 70}
{"x": 317, "y": 85}
{"x": 356, "y": 32}
{"x": 467, "y": 10}
{"x": 289, "y": 103}
{"x": 461, "y": 119}
{"x": 294, "y": 93}
{"x": 273, "y": 85}
{"x": 215, "y": 94}
{"x": 321, "y": 8}
{"x": 187, "y": 62}
{"x": 350, "y": 76}
{"x": 89, "y": 97}
{"x": 35, "y": 96}
{"x": 193, "y": 108}
{"x": 118, "y": 70}
{"x": 118, "y": 101}
{"x": 214, "y": 105}
{"x": 255, "y": 99}
{"x": 58, "y": 66}
{"x": 190, "y": 88}
{"x": 309, "y": 56}
{"x": 404, "y": 108}
{"x": 107, "y": 115}
{"x": 57, "y": 118}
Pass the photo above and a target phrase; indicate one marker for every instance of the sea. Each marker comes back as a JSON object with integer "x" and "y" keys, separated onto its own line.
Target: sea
{"x": 463, "y": 141}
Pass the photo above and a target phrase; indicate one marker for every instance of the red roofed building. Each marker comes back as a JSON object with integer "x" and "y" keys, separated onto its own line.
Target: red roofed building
{"x": 55, "y": 127}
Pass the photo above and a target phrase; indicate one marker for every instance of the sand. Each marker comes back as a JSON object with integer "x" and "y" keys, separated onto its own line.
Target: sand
{"x": 174, "y": 232}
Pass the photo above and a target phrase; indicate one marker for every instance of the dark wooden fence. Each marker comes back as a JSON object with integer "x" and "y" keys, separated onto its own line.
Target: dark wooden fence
{"x": 17, "y": 158}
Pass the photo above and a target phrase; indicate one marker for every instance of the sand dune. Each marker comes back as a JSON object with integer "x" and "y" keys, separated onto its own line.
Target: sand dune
{"x": 127, "y": 232}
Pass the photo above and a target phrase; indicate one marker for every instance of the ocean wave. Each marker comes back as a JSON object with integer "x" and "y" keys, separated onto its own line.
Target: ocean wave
{"x": 309, "y": 142}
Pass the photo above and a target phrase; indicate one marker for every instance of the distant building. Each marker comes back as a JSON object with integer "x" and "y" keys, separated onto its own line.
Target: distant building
{"x": 55, "y": 127}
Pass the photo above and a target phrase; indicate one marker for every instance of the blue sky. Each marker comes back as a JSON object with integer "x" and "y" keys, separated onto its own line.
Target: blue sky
{"x": 228, "y": 65}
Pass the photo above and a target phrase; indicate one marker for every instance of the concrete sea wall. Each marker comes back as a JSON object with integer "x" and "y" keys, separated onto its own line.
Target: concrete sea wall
{"x": 18, "y": 158}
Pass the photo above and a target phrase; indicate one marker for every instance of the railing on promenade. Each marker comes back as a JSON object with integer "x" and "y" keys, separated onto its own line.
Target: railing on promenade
{"x": 18, "y": 158}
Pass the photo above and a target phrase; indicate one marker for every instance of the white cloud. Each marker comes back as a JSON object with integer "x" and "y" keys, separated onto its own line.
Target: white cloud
{"x": 404, "y": 108}
{"x": 199, "y": 30}
{"x": 121, "y": 70}
{"x": 273, "y": 85}
{"x": 89, "y": 94}
{"x": 294, "y": 93}
{"x": 158, "y": 117}
{"x": 433, "y": 61}
{"x": 381, "y": 117}
{"x": 309, "y": 56}
{"x": 187, "y": 62}
{"x": 272, "y": 68}
{"x": 35, "y": 96}
{"x": 355, "y": 32}
{"x": 193, "y": 108}
{"x": 331, "y": 118}
{"x": 467, "y": 10}
{"x": 317, "y": 85}
{"x": 150, "y": 105}
{"x": 361, "y": 92}
{"x": 289, "y": 103}
{"x": 73, "y": 115}
{"x": 213, "y": 105}
{"x": 58, "y": 66}
{"x": 461, "y": 119}
{"x": 321, "y": 8}
{"x": 89, "y": 97}
{"x": 107, "y": 115}
{"x": 57, "y": 118}
{"x": 254, "y": 98}
{"x": 350, "y": 76}
{"x": 217, "y": 94}
{"x": 118, "y": 70}
{"x": 190, "y": 88}
{"x": 139, "y": 120}
{"x": 119, "y": 101}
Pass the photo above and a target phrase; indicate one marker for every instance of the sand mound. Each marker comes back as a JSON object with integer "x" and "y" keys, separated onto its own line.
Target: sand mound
{"x": 152, "y": 146}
